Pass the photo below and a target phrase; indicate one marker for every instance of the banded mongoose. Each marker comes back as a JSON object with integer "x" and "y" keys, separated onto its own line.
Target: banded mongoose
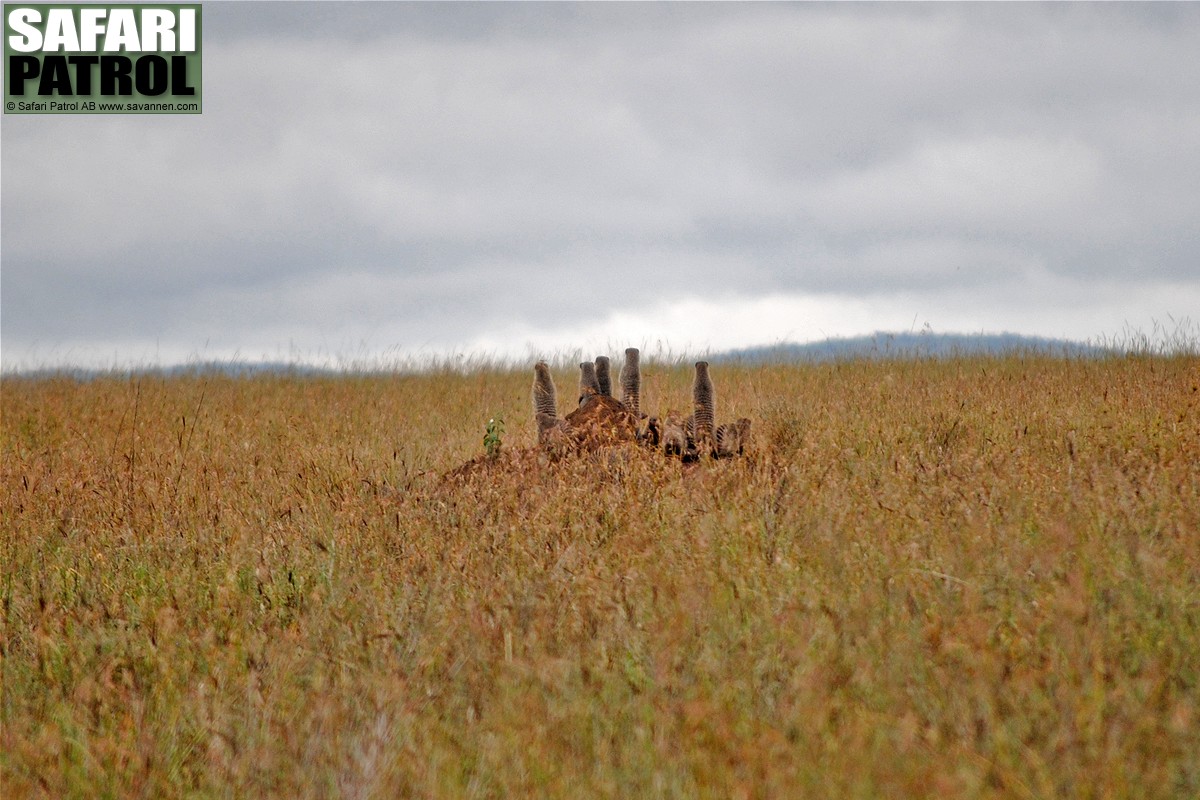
{"x": 587, "y": 380}
{"x": 733, "y": 438}
{"x": 545, "y": 397}
{"x": 703, "y": 403}
{"x": 603, "y": 379}
{"x": 674, "y": 434}
{"x": 631, "y": 382}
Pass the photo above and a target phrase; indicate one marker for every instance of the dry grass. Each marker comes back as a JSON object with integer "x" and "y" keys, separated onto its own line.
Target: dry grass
{"x": 963, "y": 578}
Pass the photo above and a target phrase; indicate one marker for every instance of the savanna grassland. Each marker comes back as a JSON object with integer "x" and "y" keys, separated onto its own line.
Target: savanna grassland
{"x": 974, "y": 577}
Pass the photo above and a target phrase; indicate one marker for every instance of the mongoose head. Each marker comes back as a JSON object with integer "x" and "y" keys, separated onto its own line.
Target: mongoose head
{"x": 653, "y": 434}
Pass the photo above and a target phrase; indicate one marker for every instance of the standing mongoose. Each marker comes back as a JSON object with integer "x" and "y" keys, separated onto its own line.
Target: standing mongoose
{"x": 631, "y": 382}
{"x": 704, "y": 408}
{"x": 588, "y": 384}
{"x": 545, "y": 397}
{"x": 602, "y": 376}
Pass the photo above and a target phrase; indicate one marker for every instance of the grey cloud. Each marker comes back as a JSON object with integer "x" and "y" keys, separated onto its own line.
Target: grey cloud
{"x": 440, "y": 170}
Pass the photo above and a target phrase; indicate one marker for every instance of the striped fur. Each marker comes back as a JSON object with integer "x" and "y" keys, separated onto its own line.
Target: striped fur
{"x": 603, "y": 376}
{"x": 545, "y": 396}
{"x": 703, "y": 408}
{"x": 631, "y": 382}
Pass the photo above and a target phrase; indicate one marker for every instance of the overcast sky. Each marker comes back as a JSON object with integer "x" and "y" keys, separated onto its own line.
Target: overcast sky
{"x": 375, "y": 181}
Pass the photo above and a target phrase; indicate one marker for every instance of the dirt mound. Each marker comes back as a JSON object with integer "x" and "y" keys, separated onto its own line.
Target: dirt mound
{"x": 528, "y": 460}
{"x": 598, "y": 425}
{"x": 602, "y": 420}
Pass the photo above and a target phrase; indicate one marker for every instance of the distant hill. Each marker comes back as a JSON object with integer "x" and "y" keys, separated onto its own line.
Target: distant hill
{"x": 879, "y": 345}
{"x": 882, "y": 345}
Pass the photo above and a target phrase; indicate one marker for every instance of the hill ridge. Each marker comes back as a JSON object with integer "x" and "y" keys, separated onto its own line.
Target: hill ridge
{"x": 874, "y": 346}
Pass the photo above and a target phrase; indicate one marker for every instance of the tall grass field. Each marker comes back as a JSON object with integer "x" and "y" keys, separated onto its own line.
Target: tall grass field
{"x": 967, "y": 577}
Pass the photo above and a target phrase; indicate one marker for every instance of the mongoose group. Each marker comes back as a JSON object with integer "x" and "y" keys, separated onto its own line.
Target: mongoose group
{"x": 600, "y": 418}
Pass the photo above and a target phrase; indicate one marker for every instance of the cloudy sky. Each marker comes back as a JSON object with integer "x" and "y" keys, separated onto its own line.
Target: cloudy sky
{"x": 381, "y": 181}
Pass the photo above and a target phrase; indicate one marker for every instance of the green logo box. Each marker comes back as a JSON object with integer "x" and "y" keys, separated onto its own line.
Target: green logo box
{"x": 72, "y": 58}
